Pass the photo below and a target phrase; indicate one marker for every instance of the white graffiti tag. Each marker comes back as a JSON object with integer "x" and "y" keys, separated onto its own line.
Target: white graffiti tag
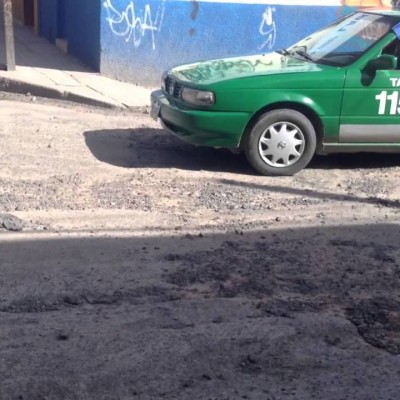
{"x": 268, "y": 28}
{"x": 132, "y": 24}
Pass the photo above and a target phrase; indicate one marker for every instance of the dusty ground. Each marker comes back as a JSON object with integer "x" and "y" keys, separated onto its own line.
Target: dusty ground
{"x": 150, "y": 269}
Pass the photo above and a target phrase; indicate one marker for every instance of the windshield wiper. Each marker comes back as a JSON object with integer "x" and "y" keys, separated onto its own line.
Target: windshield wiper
{"x": 302, "y": 52}
{"x": 284, "y": 52}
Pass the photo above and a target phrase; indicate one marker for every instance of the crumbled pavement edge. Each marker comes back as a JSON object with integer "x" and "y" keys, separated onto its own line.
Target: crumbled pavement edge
{"x": 13, "y": 86}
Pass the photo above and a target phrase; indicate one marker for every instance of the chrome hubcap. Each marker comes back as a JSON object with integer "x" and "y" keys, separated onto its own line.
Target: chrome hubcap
{"x": 281, "y": 144}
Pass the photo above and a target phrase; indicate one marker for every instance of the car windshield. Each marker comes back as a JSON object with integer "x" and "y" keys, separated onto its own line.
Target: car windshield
{"x": 342, "y": 42}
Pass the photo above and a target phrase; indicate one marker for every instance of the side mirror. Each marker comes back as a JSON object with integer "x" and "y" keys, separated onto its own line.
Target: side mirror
{"x": 383, "y": 62}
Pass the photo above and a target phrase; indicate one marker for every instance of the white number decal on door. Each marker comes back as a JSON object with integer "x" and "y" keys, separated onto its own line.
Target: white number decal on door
{"x": 391, "y": 100}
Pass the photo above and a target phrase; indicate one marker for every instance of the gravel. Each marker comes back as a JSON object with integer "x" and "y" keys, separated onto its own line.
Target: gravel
{"x": 150, "y": 269}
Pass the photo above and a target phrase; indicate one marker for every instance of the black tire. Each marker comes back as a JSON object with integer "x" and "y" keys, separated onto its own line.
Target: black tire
{"x": 263, "y": 139}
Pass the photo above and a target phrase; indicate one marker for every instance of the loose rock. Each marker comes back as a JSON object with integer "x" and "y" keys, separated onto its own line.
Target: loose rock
{"x": 10, "y": 222}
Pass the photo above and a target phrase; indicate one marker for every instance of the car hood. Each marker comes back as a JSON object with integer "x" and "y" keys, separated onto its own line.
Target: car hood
{"x": 208, "y": 72}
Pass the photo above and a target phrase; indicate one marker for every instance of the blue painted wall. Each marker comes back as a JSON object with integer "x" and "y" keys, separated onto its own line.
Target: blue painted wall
{"x": 48, "y": 19}
{"x": 82, "y": 26}
{"x": 77, "y": 22}
{"x": 141, "y": 38}
{"x": 136, "y": 40}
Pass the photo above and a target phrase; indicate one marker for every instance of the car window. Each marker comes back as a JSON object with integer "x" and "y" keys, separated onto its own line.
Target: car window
{"x": 347, "y": 39}
{"x": 393, "y": 49}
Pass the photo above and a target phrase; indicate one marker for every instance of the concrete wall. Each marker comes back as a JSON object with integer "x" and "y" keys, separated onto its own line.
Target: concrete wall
{"x": 48, "y": 19}
{"x": 76, "y": 22}
{"x": 136, "y": 40}
{"x": 141, "y": 38}
{"x": 82, "y": 29}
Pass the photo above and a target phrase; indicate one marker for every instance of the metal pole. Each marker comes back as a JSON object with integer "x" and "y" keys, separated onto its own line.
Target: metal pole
{"x": 9, "y": 34}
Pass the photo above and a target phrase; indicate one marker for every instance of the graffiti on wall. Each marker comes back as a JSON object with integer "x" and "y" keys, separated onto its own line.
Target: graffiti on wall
{"x": 370, "y": 3}
{"x": 133, "y": 24}
{"x": 268, "y": 28}
{"x": 348, "y": 6}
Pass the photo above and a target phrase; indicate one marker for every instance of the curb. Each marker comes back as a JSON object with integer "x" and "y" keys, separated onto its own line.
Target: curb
{"x": 13, "y": 86}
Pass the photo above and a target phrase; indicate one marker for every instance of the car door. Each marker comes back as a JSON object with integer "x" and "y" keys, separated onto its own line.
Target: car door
{"x": 371, "y": 107}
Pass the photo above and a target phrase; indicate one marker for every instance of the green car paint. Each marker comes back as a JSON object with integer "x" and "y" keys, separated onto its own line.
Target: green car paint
{"x": 349, "y": 94}
{"x": 214, "y": 71}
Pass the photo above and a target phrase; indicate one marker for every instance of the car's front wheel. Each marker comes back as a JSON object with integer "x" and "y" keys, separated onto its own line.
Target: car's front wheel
{"x": 282, "y": 142}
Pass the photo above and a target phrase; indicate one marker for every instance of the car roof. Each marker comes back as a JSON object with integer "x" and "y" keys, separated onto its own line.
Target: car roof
{"x": 393, "y": 11}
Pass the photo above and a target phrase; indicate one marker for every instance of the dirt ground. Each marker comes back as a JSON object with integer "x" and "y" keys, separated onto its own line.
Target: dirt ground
{"x": 151, "y": 269}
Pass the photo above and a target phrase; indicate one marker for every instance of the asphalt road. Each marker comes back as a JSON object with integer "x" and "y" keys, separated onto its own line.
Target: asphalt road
{"x": 150, "y": 269}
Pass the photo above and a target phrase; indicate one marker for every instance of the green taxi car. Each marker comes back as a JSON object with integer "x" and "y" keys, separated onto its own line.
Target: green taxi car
{"x": 337, "y": 90}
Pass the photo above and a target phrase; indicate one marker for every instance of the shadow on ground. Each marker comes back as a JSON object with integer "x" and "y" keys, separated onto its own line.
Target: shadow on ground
{"x": 314, "y": 194}
{"x": 155, "y": 148}
{"x": 356, "y": 161}
{"x": 290, "y": 314}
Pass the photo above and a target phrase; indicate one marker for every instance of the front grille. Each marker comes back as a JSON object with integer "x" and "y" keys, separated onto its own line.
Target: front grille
{"x": 173, "y": 88}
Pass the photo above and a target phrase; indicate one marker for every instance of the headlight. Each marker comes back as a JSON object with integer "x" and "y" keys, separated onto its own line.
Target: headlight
{"x": 198, "y": 97}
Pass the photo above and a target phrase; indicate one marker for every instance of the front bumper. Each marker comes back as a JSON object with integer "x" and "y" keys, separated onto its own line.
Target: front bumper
{"x": 199, "y": 127}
